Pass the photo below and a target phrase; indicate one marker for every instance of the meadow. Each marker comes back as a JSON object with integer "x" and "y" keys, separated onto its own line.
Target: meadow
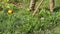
{"x": 22, "y": 22}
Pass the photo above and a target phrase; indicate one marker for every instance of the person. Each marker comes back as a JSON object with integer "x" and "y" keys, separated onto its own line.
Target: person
{"x": 51, "y": 5}
{"x": 32, "y": 5}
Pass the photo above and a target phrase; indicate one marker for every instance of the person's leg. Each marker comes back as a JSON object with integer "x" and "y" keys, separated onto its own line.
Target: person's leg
{"x": 32, "y": 5}
{"x": 51, "y": 5}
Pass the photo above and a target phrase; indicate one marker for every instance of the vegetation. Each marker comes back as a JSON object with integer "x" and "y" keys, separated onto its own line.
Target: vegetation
{"x": 22, "y": 22}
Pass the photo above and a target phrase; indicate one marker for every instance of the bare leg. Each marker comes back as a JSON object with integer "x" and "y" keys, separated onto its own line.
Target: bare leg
{"x": 32, "y": 4}
{"x": 51, "y": 5}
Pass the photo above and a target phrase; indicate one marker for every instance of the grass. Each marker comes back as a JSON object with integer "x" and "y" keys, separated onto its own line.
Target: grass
{"x": 22, "y": 22}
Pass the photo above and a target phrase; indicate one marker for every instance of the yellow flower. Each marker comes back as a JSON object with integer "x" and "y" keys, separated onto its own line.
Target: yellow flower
{"x": 10, "y": 11}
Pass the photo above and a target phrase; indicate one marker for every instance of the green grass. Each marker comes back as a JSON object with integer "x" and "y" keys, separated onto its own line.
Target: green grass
{"x": 22, "y": 22}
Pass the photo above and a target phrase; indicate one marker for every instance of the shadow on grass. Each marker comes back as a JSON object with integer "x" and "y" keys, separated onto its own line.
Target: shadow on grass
{"x": 55, "y": 9}
{"x": 47, "y": 9}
